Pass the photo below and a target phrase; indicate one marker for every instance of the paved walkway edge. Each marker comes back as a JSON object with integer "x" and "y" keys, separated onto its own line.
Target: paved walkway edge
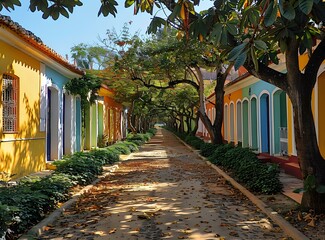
{"x": 290, "y": 230}
{"x": 38, "y": 229}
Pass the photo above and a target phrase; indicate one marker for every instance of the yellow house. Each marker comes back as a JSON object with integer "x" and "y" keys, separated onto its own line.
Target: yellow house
{"x": 23, "y": 62}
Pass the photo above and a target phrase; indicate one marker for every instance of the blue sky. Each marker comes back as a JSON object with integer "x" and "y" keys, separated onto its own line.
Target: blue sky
{"x": 83, "y": 26}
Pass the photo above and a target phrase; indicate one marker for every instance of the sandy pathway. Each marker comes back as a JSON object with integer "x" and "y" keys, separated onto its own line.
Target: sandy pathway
{"x": 163, "y": 192}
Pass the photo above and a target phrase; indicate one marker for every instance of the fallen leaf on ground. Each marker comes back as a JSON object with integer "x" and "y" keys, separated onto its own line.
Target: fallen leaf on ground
{"x": 312, "y": 223}
{"x": 112, "y": 231}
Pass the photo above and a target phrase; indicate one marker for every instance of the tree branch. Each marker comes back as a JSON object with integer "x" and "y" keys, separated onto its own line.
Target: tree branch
{"x": 315, "y": 61}
{"x": 268, "y": 74}
{"x": 171, "y": 84}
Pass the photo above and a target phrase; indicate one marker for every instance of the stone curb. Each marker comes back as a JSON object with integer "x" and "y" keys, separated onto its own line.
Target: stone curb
{"x": 38, "y": 229}
{"x": 287, "y": 228}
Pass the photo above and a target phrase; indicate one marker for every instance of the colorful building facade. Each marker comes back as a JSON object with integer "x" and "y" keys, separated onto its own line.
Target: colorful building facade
{"x": 38, "y": 121}
{"x": 105, "y": 120}
{"x": 258, "y": 115}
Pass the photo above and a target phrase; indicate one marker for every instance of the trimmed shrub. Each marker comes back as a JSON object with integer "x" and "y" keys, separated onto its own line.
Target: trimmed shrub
{"x": 153, "y": 131}
{"x": 244, "y": 164}
{"x": 105, "y": 155}
{"x": 27, "y": 203}
{"x": 138, "y": 138}
{"x": 30, "y": 205}
{"x": 55, "y": 186}
{"x": 194, "y": 141}
{"x": 120, "y": 148}
{"x": 131, "y": 145}
{"x": 207, "y": 149}
{"x": 81, "y": 167}
{"x": 197, "y": 143}
{"x": 218, "y": 155}
{"x": 266, "y": 180}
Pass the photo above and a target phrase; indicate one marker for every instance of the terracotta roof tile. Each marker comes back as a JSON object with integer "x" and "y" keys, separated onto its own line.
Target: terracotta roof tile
{"x": 36, "y": 42}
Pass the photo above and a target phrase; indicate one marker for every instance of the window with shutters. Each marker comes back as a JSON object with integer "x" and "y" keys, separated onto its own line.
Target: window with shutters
{"x": 9, "y": 103}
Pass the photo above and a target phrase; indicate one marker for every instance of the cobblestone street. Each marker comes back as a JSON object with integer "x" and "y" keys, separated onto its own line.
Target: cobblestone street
{"x": 164, "y": 191}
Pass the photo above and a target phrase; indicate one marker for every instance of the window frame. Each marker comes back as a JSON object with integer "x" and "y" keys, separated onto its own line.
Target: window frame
{"x": 7, "y": 77}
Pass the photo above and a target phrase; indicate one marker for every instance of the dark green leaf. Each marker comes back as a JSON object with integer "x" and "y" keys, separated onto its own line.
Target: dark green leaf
{"x": 319, "y": 12}
{"x": 306, "y": 6}
{"x": 241, "y": 59}
{"x": 253, "y": 16}
{"x": 232, "y": 29}
{"x": 240, "y": 4}
{"x": 175, "y": 13}
{"x": 216, "y": 33}
{"x": 261, "y": 45}
{"x": 46, "y": 14}
{"x": 128, "y": 3}
{"x": 270, "y": 15}
{"x": 236, "y": 51}
{"x": 64, "y": 12}
{"x": 55, "y": 14}
{"x": 307, "y": 40}
{"x": 224, "y": 36}
{"x": 155, "y": 24}
{"x": 287, "y": 10}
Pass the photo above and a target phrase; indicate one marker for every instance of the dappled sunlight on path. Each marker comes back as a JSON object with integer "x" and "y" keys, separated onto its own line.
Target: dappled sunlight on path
{"x": 164, "y": 191}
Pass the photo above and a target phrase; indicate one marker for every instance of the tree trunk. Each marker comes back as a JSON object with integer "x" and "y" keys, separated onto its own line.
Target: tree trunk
{"x": 219, "y": 95}
{"x": 310, "y": 160}
{"x": 201, "y": 111}
{"x": 215, "y": 129}
{"x": 196, "y": 125}
{"x": 181, "y": 124}
{"x": 189, "y": 124}
{"x": 312, "y": 164}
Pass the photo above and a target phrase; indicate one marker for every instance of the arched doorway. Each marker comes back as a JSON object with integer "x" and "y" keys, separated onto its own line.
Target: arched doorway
{"x": 280, "y": 123}
{"x": 265, "y": 122}
{"x": 52, "y": 129}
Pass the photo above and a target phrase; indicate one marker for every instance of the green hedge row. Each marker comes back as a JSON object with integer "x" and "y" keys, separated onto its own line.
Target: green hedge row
{"x": 241, "y": 162}
{"x": 27, "y": 203}
{"x": 247, "y": 168}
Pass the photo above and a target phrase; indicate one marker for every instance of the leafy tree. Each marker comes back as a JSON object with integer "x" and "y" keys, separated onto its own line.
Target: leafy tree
{"x": 90, "y": 57}
{"x": 263, "y": 29}
{"x": 163, "y": 62}
{"x": 252, "y": 33}
{"x": 180, "y": 104}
